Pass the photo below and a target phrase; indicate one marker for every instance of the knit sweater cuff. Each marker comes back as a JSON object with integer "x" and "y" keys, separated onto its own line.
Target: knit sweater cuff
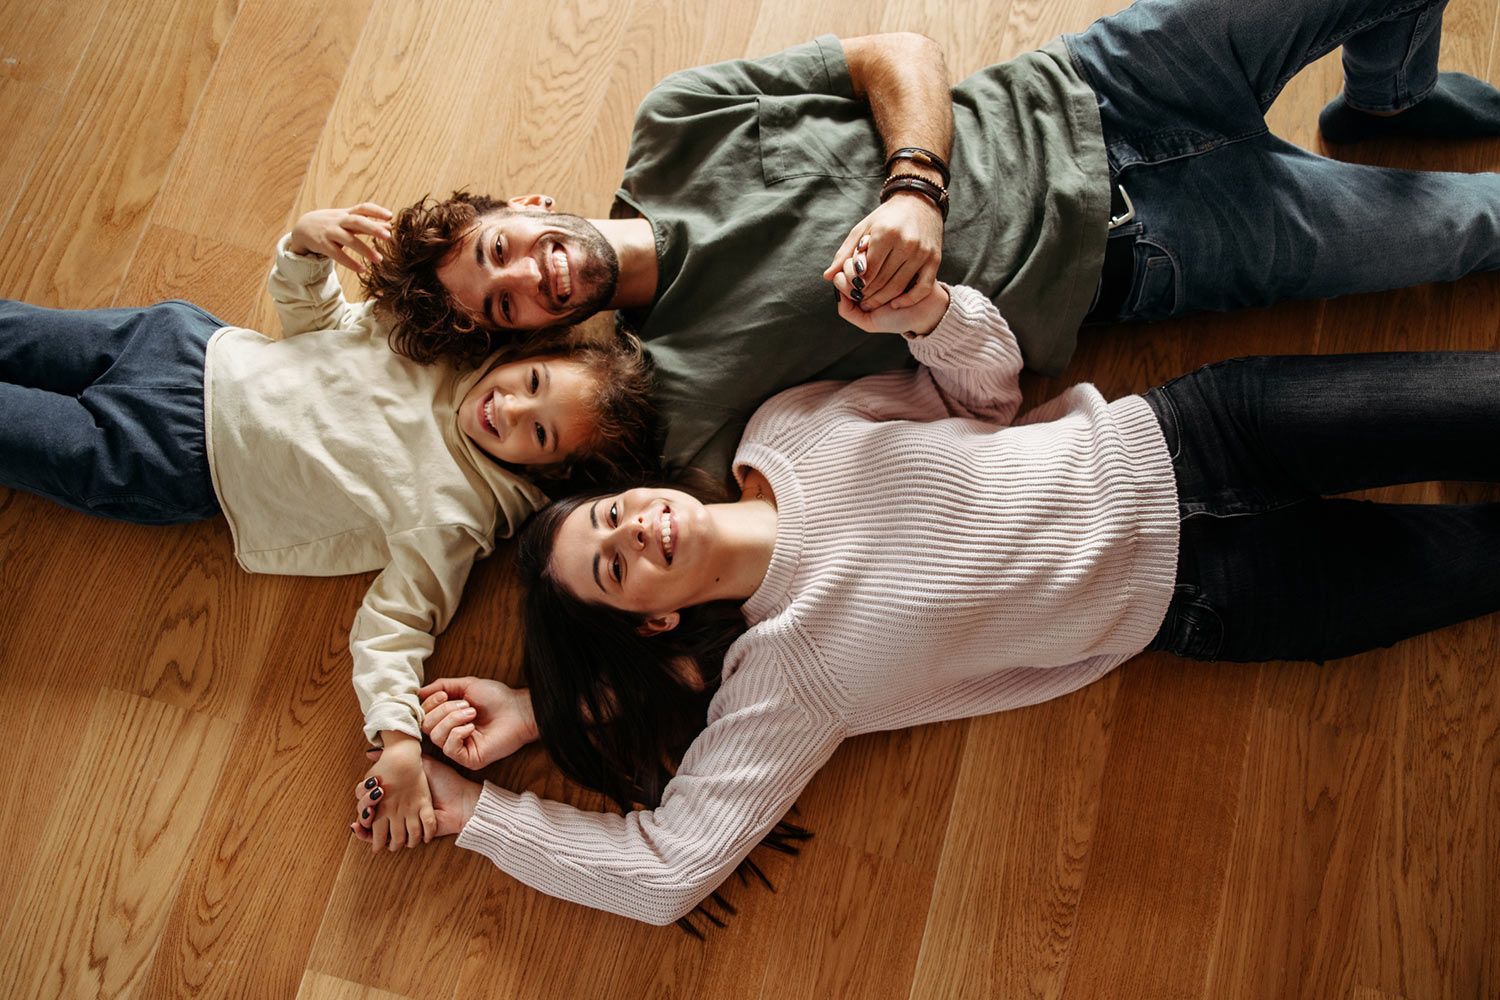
{"x": 969, "y": 331}
{"x": 484, "y": 833}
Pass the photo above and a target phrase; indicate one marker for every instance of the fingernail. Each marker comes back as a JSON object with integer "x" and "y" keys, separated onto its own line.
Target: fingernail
{"x": 858, "y": 282}
{"x": 857, "y": 295}
{"x": 461, "y": 705}
{"x": 369, "y": 783}
{"x": 859, "y": 265}
{"x": 364, "y": 814}
{"x": 375, "y": 795}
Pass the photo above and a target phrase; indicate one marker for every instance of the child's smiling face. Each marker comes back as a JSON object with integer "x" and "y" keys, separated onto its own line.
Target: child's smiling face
{"x": 534, "y": 411}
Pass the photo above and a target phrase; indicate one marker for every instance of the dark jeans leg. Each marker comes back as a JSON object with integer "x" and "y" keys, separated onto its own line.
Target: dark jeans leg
{"x": 1229, "y": 216}
{"x": 1268, "y": 569}
{"x": 102, "y": 410}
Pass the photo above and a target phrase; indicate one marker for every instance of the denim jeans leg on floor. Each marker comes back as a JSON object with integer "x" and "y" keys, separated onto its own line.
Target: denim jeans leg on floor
{"x": 1228, "y": 215}
{"x": 101, "y": 410}
{"x": 1270, "y": 569}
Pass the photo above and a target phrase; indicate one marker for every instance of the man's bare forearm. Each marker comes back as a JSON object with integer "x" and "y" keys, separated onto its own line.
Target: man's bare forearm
{"x": 904, "y": 77}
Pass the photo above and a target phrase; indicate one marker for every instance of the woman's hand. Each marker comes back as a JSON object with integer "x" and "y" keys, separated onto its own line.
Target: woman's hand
{"x": 453, "y": 800}
{"x": 476, "y": 721}
{"x": 337, "y": 232}
{"x": 920, "y": 319}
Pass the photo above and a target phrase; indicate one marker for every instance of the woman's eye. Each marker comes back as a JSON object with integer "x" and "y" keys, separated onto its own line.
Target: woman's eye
{"x": 541, "y": 435}
{"x": 614, "y": 514}
{"x": 536, "y": 381}
{"x": 505, "y": 307}
{"x": 614, "y": 568}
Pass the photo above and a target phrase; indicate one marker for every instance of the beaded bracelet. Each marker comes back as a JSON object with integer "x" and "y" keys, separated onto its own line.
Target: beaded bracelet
{"x": 922, "y": 158}
{"x": 921, "y": 185}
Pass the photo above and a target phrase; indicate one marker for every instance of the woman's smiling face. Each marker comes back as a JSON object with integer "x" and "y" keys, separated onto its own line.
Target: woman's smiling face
{"x": 647, "y": 551}
{"x": 531, "y": 412}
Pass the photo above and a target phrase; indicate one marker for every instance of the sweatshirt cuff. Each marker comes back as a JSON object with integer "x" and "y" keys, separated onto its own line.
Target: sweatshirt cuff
{"x": 298, "y": 268}
{"x": 391, "y": 717}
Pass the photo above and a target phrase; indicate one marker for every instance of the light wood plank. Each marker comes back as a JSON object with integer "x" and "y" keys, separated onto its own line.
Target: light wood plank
{"x": 89, "y": 914}
{"x": 81, "y": 214}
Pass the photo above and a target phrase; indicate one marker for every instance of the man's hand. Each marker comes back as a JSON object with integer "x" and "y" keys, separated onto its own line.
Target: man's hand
{"x": 903, "y": 249}
{"x": 453, "y": 800}
{"x": 396, "y": 788}
{"x": 337, "y": 232}
{"x": 476, "y": 721}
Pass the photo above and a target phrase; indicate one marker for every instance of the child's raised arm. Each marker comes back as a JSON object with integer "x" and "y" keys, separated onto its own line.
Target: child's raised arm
{"x": 307, "y": 293}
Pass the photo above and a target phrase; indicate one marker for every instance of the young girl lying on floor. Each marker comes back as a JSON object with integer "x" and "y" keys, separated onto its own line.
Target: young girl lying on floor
{"x": 906, "y": 551}
{"x": 326, "y": 452}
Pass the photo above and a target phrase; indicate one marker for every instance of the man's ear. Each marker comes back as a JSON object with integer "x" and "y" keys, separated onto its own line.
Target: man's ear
{"x": 657, "y": 624}
{"x": 531, "y": 201}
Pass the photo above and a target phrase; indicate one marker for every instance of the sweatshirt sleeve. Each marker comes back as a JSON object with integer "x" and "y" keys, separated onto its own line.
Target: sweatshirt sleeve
{"x": 308, "y": 295}
{"x": 410, "y": 602}
{"x": 973, "y": 358}
{"x": 737, "y": 779}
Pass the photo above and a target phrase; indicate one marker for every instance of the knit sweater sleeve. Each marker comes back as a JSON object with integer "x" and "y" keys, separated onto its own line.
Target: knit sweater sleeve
{"x": 973, "y": 358}
{"x": 737, "y": 779}
{"x": 410, "y": 602}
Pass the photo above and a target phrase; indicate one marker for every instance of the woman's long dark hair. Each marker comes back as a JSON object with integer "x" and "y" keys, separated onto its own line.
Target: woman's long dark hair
{"x": 615, "y": 709}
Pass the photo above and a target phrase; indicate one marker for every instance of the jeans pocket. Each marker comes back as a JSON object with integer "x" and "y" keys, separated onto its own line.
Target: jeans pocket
{"x": 1154, "y": 292}
{"x": 1192, "y": 628}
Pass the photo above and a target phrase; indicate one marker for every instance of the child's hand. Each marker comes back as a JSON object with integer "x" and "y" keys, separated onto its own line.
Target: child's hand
{"x": 332, "y": 232}
{"x": 399, "y": 787}
{"x": 920, "y": 319}
{"x": 454, "y": 798}
{"x": 476, "y": 721}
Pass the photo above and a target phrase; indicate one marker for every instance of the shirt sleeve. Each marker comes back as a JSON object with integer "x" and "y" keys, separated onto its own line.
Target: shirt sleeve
{"x": 973, "y": 359}
{"x": 411, "y": 601}
{"x": 816, "y": 67}
{"x": 308, "y": 295}
{"x": 737, "y": 779}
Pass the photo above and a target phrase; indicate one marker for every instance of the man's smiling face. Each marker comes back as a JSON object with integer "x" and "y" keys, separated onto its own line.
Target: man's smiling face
{"x": 530, "y": 269}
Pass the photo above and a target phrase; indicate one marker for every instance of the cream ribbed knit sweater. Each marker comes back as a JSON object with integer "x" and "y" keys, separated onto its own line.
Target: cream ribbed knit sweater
{"x": 932, "y": 562}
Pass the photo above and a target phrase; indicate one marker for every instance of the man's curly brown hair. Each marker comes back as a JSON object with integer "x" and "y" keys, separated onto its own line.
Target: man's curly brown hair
{"x": 427, "y": 325}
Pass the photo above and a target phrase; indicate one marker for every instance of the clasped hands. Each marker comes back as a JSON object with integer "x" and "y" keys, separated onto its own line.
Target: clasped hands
{"x": 408, "y": 798}
{"x": 891, "y": 257}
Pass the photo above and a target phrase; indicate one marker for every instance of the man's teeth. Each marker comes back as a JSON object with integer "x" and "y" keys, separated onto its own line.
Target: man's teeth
{"x": 666, "y": 534}
{"x": 562, "y": 277}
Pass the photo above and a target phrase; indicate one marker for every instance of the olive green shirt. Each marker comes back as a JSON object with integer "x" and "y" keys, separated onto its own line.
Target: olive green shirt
{"x": 752, "y": 172}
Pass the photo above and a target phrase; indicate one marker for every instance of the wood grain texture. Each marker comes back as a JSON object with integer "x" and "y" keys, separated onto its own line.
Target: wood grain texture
{"x": 81, "y": 213}
{"x": 185, "y": 738}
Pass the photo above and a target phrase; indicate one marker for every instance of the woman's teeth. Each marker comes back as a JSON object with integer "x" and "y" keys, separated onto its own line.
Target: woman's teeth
{"x": 666, "y": 534}
{"x": 489, "y": 414}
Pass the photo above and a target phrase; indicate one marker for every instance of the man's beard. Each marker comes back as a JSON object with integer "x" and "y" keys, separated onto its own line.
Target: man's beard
{"x": 599, "y": 271}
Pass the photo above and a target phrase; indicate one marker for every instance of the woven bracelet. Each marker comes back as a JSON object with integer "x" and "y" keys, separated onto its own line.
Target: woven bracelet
{"x": 922, "y": 158}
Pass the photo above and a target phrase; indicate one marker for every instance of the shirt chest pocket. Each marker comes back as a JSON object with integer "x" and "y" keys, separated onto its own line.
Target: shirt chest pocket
{"x": 814, "y": 136}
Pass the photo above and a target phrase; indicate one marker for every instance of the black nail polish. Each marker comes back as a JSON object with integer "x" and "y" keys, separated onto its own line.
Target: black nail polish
{"x": 859, "y": 265}
{"x": 369, "y": 783}
{"x": 375, "y": 795}
{"x": 364, "y": 814}
{"x": 857, "y": 295}
{"x": 858, "y": 282}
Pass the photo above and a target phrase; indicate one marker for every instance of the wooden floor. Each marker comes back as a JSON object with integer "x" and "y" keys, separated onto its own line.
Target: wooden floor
{"x": 183, "y": 735}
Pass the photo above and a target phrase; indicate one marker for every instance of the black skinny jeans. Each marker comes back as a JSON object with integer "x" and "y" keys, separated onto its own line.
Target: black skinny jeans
{"x": 1268, "y": 567}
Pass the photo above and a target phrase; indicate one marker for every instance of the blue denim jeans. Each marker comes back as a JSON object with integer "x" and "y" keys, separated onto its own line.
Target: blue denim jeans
{"x": 101, "y": 410}
{"x": 1228, "y": 215}
{"x": 1269, "y": 567}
